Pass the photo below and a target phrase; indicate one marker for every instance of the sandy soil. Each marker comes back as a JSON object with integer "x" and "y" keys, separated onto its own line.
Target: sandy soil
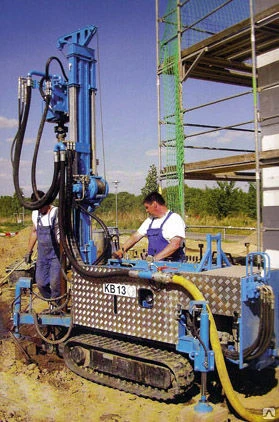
{"x": 43, "y": 389}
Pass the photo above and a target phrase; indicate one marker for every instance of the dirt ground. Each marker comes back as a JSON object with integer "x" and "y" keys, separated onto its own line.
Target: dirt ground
{"x": 43, "y": 389}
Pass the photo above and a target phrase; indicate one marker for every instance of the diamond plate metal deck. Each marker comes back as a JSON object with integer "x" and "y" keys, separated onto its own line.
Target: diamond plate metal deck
{"x": 95, "y": 309}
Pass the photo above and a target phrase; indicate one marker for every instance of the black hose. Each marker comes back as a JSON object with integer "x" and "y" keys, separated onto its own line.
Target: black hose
{"x": 69, "y": 206}
{"x": 61, "y": 67}
{"x": 23, "y": 114}
{"x": 195, "y": 333}
{"x": 74, "y": 206}
{"x": 37, "y": 145}
{"x": 15, "y": 159}
{"x": 47, "y": 340}
{"x": 267, "y": 335}
{"x": 106, "y": 234}
{"x": 264, "y": 336}
{"x": 21, "y": 108}
{"x": 82, "y": 269}
{"x": 41, "y": 89}
{"x": 20, "y": 116}
{"x": 257, "y": 344}
{"x": 18, "y": 142}
{"x": 265, "y": 329}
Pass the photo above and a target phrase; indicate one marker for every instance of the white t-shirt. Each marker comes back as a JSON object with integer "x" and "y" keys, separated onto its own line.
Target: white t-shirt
{"x": 174, "y": 226}
{"x": 47, "y": 219}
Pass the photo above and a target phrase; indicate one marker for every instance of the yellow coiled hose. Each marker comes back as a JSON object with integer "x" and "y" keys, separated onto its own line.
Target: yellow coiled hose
{"x": 219, "y": 358}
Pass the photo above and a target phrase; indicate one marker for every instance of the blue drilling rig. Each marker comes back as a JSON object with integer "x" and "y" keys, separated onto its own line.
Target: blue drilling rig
{"x": 144, "y": 327}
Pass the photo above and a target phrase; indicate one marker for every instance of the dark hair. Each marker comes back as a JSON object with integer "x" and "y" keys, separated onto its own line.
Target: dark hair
{"x": 154, "y": 196}
{"x": 40, "y": 195}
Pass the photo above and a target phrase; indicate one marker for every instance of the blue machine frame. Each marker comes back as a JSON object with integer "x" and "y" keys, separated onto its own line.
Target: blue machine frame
{"x": 75, "y": 99}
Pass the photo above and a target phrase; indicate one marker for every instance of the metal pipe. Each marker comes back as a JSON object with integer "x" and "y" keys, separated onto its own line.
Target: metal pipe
{"x": 193, "y": 65}
{"x": 217, "y": 101}
{"x": 3, "y": 281}
{"x": 220, "y": 127}
{"x": 255, "y": 97}
{"x": 229, "y": 127}
{"x": 73, "y": 118}
{"x": 207, "y": 15}
{"x": 179, "y": 149}
{"x": 158, "y": 95}
{"x": 93, "y": 134}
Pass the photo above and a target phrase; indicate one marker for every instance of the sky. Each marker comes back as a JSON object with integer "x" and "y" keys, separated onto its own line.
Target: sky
{"x": 126, "y": 51}
{"x": 126, "y": 89}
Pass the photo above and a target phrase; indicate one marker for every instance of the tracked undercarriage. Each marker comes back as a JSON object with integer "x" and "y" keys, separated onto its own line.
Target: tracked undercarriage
{"x": 141, "y": 370}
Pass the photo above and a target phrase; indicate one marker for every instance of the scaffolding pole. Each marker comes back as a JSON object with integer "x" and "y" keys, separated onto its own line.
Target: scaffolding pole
{"x": 158, "y": 97}
{"x": 255, "y": 98}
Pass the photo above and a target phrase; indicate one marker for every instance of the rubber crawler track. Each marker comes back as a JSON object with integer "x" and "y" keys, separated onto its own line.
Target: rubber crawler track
{"x": 180, "y": 368}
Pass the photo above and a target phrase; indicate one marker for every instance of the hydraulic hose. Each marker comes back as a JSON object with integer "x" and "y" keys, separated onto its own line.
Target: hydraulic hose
{"x": 16, "y": 155}
{"x": 23, "y": 114}
{"x": 47, "y": 340}
{"x": 21, "y": 109}
{"x": 219, "y": 358}
{"x": 68, "y": 241}
{"x": 18, "y": 141}
{"x": 104, "y": 227}
{"x": 37, "y": 146}
{"x": 265, "y": 330}
{"x": 50, "y": 59}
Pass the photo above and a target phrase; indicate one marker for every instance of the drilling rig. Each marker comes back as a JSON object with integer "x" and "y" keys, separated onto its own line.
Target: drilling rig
{"x": 147, "y": 328}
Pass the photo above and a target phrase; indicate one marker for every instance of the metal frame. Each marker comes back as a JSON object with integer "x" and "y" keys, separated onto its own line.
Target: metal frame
{"x": 228, "y": 57}
{"x": 213, "y": 59}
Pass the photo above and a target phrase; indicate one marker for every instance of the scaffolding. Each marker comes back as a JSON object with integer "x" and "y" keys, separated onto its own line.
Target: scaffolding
{"x": 214, "y": 42}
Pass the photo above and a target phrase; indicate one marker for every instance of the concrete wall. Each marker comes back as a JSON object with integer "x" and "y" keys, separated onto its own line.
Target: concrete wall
{"x": 268, "y": 73}
{"x": 261, "y": 5}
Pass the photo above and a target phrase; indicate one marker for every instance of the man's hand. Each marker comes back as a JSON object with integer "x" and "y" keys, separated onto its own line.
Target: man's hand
{"x": 27, "y": 258}
{"x": 118, "y": 254}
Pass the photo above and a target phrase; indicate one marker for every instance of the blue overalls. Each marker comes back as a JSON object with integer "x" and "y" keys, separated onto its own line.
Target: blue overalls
{"x": 48, "y": 263}
{"x": 156, "y": 242}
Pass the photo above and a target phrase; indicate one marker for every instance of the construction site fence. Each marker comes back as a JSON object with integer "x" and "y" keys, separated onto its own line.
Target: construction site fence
{"x": 225, "y": 229}
{"x": 204, "y": 229}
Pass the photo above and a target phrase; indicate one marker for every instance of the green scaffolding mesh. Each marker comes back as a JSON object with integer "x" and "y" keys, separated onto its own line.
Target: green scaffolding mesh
{"x": 201, "y": 19}
{"x": 184, "y": 24}
{"x": 172, "y": 124}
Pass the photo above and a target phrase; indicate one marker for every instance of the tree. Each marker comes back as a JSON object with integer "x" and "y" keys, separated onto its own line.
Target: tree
{"x": 195, "y": 201}
{"x": 224, "y": 200}
{"x": 252, "y": 201}
{"x": 151, "y": 181}
{"x": 126, "y": 201}
{"x": 9, "y": 205}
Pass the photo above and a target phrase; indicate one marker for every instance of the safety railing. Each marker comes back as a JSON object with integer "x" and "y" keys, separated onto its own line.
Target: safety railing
{"x": 224, "y": 229}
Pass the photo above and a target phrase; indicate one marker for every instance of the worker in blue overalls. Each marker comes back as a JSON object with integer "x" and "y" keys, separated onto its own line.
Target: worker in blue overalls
{"x": 45, "y": 232}
{"x": 164, "y": 229}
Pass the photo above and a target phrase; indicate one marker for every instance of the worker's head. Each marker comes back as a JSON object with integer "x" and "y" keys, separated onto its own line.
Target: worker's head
{"x": 44, "y": 209}
{"x": 154, "y": 204}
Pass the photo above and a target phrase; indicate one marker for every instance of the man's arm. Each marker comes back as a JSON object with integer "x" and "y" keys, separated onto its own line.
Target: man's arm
{"x": 32, "y": 239}
{"x": 133, "y": 239}
{"x": 173, "y": 245}
{"x": 31, "y": 243}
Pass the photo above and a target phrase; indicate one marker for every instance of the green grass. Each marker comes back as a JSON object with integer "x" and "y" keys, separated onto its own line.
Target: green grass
{"x": 10, "y": 225}
{"x": 240, "y": 221}
{"x": 133, "y": 220}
